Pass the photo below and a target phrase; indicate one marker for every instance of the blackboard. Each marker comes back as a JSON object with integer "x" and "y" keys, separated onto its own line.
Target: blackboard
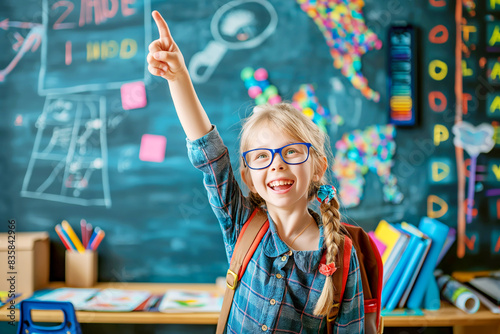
{"x": 71, "y": 151}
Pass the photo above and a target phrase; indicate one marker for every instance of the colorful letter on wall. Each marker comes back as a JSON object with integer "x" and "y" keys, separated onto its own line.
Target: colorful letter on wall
{"x": 437, "y": 101}
{"x": 471, "y": 242}
{"x": 493, "y": 105}
{"x": 441, "y": 171}
{"x": 436, "y": 207}
{"x": 493, "y": 171}
{"x": 441, "y": 134}
{"x": 496, "y": 134}
{"x": 493, "y": 5}
{"x": 469, "y": 34}
{"x": 468, "y": 69}
{"x": 494, "y": 208}
{"x": 438, "y": 4}
{"x": 493, "y": 36}
{"x": 493, "y": 70}
{"x": 438, "y": 34}
{"x": 438, "y": 69}
{"x": 495, "y": 242}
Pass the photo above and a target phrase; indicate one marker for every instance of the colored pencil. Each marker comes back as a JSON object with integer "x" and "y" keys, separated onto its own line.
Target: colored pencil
{"x": 89, "y": 233}
{"x": 72, "y": 236}
{"x": 62, "y": 237}
{"x": 96, "y": 230}
{"x": 97, "y": 240}
{"x": 66, "y": 237}
{"x": 83, "y": 227}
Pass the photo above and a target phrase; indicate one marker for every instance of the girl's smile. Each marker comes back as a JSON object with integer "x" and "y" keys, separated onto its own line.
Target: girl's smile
{"x": 281, "y": 186}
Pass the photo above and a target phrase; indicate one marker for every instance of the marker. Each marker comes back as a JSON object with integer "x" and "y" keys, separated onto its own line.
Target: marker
{"x": 89, "y": 231}
{"x": 62, "y": 237}
{"x": 66, "y": 238}
{"x": 97, "y": 240}
{"x": 72, "y": 236}
{"x": 83, "y": 227}
{"x": 94, "y": 235}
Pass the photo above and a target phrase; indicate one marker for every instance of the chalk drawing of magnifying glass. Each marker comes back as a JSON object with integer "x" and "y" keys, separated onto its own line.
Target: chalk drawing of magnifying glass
{"x": 239, "y": 24}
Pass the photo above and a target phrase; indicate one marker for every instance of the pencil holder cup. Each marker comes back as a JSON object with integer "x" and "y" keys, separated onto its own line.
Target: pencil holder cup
{"x": 81, "y": 269}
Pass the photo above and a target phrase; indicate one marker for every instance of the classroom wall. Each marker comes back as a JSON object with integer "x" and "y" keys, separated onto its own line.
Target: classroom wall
{"x": 72, "y": 150}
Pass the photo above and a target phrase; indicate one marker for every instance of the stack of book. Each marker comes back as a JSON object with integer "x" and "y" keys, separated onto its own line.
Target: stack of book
{"x": 410, "y": 255}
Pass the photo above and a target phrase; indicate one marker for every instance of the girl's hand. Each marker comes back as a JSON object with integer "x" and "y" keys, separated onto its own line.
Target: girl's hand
{"x": 164, "y": 58}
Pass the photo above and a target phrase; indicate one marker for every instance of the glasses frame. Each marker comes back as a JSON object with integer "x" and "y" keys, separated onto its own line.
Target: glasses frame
{"x": 273, "y": 152}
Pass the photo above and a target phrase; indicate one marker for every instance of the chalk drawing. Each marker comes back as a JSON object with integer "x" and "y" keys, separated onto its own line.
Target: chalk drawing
{"x": 23, "y": 45}
{"x": 69, "y": 159}
{"x": 53, "y": 34}
{"x": 234, "y": 26}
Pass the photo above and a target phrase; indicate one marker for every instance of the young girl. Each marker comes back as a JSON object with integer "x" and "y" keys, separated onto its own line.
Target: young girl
{"x": 283, "y": 163}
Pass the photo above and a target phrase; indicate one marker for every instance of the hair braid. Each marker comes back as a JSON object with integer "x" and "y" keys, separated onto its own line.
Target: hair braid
{"x": 331, "y": 229}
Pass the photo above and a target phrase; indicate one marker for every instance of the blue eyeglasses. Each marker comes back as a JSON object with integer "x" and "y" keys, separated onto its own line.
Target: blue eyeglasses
{"x": 291, "y": 154}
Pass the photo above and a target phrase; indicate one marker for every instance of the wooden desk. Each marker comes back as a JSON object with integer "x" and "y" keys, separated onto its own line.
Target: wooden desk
{"x": 448, "y": 316}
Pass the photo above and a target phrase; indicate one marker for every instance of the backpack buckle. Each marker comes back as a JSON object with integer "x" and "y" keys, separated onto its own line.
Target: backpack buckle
{"x": 330, "y": 319}
{"x": 235, "y": 277}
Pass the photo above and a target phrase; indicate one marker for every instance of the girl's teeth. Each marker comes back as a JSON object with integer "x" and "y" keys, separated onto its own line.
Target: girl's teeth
{"x": 280, "y": 183}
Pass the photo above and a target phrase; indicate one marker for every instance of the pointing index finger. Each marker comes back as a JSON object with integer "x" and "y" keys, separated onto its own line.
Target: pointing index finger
{"x": 162, "y": 25}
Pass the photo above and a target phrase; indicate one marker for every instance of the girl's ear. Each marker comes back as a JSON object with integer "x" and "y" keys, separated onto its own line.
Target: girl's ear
{"x": 322, "y": 169}
{"x": 245, "y": 176}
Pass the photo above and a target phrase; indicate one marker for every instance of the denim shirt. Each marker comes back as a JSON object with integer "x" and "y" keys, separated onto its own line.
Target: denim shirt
{"x": 280, "y": 287}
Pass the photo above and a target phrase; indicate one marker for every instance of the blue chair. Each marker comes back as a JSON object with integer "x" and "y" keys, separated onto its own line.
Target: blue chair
{"x": 69, "y": 325}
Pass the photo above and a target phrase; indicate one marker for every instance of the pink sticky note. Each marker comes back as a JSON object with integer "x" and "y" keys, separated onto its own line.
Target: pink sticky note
{"x": 133, "y": 95}
{"x": 153, "y": 148}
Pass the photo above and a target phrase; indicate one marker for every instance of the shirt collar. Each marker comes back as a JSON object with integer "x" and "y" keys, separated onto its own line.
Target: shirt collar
{"x": 306, "y": 261}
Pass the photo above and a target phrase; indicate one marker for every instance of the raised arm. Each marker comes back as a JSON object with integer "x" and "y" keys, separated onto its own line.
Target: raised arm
{"x": 166, "y": 60}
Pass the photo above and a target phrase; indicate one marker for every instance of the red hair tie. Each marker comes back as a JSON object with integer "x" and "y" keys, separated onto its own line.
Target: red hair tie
{"x": 327, "y": 269}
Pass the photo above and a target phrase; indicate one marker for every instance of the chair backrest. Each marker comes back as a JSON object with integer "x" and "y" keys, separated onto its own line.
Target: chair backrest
{"x": 69, "y": 324}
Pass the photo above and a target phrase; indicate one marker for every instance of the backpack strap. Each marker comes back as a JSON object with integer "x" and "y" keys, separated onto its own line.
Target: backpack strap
{"x": 248, "y": 240}
{"x": 370, "y": 264}
{"x": 339, "y": 280}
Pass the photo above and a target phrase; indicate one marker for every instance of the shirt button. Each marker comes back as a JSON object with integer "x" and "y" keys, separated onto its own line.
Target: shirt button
{"x": 278, "y": 276}
{"x": 264, "y": 328}
{"x": 272, "y": 302}
{"x": 283, "y": 258}
{"x": 290, "y": 253}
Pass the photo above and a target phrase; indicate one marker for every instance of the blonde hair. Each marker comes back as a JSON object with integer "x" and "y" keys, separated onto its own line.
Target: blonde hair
{"x": 284, "y": 118}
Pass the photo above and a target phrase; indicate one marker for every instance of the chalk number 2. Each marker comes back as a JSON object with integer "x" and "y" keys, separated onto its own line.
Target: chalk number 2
{"x": 59, "y": 23}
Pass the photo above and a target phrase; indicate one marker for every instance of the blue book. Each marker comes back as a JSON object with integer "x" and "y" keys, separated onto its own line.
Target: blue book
{"x": 427, "y": 243}
{"x": 398, "y": 270}
{"x": 408, "y": 271}
{"x": 438, "y": 232}
{"x": 395, "y": 256}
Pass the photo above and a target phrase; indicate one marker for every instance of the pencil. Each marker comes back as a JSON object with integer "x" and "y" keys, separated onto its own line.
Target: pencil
{"x": 62, "y": 237}
{"x": 97, "y": 240}
{"x": 72, "y": 236}
{"x": 83, "y": 227}
{"x": 66, "y": 238}
{"x": 94, "y": 235}
{"x": 89, "y": 234}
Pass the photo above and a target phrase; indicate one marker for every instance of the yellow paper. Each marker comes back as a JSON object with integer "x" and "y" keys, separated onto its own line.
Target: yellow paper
{"x": 388, "y": 235}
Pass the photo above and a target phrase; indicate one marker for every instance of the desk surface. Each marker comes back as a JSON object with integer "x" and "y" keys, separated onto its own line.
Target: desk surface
{"x": 447, "y": 316}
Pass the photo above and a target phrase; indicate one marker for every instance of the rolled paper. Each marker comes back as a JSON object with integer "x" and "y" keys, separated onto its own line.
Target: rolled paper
{"x": 458, "y": 294}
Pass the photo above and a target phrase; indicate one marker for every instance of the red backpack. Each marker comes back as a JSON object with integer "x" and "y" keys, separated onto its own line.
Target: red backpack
{"x": 370, "y": 264}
